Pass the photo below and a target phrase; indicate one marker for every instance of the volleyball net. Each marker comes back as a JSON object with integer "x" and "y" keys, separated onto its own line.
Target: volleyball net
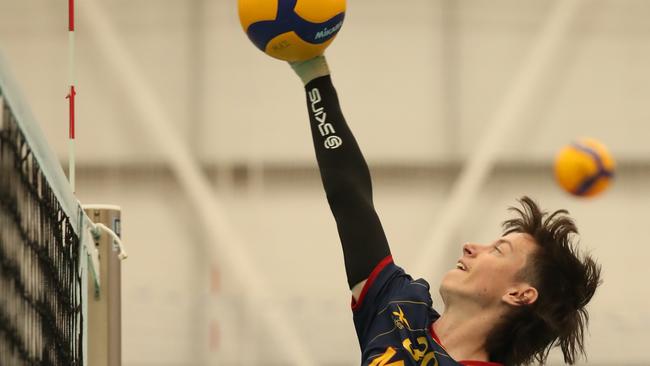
{"x": 48, "y": 254}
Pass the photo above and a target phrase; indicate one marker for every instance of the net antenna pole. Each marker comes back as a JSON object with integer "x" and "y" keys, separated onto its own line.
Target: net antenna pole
{"x": 71, "y": 97}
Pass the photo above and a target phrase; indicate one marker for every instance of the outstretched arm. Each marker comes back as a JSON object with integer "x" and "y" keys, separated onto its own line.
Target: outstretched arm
{"x": 345, "y": 176}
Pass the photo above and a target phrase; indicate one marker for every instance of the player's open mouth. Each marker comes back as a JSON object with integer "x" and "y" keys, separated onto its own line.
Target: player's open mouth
{"x": 461, "y": 266}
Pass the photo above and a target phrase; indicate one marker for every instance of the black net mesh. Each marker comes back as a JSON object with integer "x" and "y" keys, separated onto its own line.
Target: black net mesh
{"x": 40, "y": 284}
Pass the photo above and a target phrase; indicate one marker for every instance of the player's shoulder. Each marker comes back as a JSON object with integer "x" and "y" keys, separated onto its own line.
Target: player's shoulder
{"x": 390, "y": 283}
{"x": 395, "y": 310}
{"x": 403, "y": 286}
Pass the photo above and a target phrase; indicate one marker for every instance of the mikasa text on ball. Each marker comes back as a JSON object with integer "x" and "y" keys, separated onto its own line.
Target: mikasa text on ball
{"x": 584, "y": 168}
{"x": 292, "y": 30}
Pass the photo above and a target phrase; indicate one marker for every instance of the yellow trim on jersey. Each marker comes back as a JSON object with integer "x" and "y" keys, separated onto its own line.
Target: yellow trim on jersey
{"x": 402, "y": 302}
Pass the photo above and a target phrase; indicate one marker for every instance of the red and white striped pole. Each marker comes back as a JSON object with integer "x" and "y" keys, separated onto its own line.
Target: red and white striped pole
{"x": 71, "y": 95}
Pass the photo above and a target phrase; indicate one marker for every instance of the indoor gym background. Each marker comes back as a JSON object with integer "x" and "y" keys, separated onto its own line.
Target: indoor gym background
{"x": 440, "y": 69}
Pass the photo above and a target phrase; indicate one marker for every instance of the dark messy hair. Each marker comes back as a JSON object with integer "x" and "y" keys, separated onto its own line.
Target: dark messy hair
{"x": 565, "y": 281}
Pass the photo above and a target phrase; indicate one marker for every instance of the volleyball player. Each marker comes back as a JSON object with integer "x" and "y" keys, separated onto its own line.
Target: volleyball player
{"x": 508, "y": 302}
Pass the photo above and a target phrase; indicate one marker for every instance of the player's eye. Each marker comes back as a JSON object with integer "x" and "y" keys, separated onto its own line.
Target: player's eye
{"x": 496, "y": 247}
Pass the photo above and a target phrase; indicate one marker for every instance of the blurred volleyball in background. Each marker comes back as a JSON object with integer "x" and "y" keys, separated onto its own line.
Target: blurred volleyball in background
{"x": 584, "y": 168}
{"x": 292, "y": 30}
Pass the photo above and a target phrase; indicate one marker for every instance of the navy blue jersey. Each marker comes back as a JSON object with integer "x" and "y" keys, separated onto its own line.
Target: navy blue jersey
{"x": 393, "y": 318}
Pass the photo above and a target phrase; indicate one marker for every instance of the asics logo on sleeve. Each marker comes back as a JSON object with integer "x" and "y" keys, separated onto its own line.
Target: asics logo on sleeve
{"x": 325, "y": 128}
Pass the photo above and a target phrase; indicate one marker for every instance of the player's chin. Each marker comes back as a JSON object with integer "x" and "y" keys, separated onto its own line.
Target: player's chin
{"x": 450, "y": 284}
{"x": 450, "y": 278}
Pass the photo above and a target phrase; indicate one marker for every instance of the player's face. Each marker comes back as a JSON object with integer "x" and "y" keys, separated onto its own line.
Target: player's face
{"x": 486, "y": 273}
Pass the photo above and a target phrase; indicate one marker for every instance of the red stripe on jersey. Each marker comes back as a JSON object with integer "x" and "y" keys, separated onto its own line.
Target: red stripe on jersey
{"x": 435, "y": 336}
{"x": 373, "y": 276}
{"x": 479, "y": 363}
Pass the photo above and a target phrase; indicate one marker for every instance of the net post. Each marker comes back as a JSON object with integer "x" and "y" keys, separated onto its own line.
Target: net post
{"x": 105, "y": 305}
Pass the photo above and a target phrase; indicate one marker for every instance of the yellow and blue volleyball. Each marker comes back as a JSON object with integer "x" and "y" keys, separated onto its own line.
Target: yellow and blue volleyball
{"x": 584, "y": 168}
{"x": 292, "y": 30}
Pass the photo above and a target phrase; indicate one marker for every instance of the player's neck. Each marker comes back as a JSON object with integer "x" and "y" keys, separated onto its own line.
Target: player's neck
{"x": 463, "y": 331}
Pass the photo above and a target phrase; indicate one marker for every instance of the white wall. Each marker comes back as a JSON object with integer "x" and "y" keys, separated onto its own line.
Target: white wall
{"x": 418, "y": 84}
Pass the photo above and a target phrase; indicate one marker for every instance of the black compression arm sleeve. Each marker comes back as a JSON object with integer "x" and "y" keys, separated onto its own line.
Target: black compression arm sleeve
{"x": 346, "y": 179}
